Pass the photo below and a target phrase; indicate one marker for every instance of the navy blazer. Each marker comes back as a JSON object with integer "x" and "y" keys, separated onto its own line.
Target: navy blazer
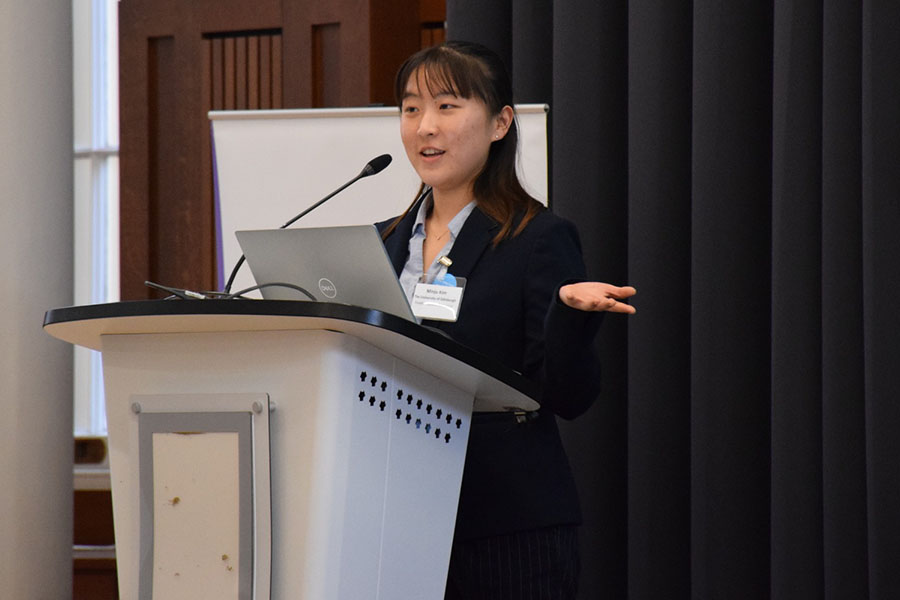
{"x": 517, "y": 476}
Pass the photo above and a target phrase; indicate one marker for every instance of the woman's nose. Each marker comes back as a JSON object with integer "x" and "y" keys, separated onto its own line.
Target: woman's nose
{"x": 427, "y": 124}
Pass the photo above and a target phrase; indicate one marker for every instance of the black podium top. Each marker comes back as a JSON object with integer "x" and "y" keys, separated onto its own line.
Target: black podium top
{"x": 494, "y": 386}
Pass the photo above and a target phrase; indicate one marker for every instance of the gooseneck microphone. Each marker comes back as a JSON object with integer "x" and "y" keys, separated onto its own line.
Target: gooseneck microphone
{"x": 373, "y": 167}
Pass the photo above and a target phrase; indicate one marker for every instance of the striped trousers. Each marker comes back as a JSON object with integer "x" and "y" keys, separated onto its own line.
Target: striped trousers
{"x": 541, "y": 564}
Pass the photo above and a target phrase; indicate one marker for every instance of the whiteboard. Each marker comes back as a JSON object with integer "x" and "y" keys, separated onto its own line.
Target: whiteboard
{"x": 270, "y": 165}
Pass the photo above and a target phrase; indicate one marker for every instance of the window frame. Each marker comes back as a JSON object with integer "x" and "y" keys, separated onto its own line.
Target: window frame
{"x": 96, "y": 189}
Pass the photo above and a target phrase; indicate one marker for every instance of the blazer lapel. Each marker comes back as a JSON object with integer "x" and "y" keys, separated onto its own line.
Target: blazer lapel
{"x": 397, "y": 244}
{"x": 474, "y": 238}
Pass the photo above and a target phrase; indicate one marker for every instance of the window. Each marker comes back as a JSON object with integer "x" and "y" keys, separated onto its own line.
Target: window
{"x": 96, "y": 174}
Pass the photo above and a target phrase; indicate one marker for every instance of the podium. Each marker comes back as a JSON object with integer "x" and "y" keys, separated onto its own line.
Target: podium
{"x": 285, "y": 450}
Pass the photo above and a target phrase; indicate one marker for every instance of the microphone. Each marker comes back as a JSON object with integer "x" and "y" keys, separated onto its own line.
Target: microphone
{"x": 373, "y": 167}
{"x": 376, "y": 165}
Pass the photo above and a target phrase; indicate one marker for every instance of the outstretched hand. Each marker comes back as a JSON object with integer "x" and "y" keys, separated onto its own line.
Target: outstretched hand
{"x": 597, "y": 296}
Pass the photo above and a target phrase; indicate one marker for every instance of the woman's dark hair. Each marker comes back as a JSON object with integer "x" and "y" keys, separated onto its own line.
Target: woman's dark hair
{"x": 468, "y": 70}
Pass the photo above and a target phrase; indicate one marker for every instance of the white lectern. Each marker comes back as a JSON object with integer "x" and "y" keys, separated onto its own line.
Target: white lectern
{"x": 284, "y": 450}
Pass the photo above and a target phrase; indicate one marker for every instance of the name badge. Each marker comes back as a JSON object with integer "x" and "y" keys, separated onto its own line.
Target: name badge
{"x": 438, "y": 302}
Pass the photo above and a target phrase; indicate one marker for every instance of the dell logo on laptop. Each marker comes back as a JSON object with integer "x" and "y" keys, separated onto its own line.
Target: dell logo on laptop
{"x": 327, "y": 288}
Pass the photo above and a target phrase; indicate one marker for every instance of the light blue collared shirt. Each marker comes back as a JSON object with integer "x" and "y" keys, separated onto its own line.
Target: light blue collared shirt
{"x": 414, "y": 268}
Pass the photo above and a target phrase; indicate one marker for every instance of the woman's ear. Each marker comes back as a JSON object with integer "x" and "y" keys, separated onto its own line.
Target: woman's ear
{"x": 502, "y": 122}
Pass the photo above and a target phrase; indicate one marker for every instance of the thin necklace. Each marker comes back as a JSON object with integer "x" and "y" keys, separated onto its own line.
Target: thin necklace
{"x": 438, "y": 238}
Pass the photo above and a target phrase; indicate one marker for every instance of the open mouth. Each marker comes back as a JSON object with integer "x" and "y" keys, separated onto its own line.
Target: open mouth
{"x": 431, "y": 152}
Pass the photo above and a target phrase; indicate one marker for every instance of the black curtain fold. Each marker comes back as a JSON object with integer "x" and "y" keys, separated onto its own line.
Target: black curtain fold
{"x": 796, "y": 362}
{"x": 487, "y": 23}
{"x": 730, "y": 298}
{"x": 881, "y": 288}
{"x": 531, "y": 64}
{"x": 845, "y": 560}
{"x": 739, "y": 163}
{"x": 659, "y": 190}
{"x": 589, "y": 186}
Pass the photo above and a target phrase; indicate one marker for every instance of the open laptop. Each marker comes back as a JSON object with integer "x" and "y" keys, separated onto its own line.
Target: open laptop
{"x": 347, "y": 264}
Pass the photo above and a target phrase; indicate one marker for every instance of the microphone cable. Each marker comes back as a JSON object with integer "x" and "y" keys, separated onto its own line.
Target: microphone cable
{"x": 184, "y": 294}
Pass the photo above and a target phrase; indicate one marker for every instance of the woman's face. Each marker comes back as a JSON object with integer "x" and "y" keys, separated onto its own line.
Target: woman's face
{"x": 447, "y": 137}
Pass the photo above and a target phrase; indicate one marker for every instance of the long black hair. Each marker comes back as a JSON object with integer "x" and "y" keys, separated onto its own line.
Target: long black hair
{"x": 468, "y": 70}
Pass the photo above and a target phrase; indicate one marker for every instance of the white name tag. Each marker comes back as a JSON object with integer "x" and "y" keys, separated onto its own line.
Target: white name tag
{"x": 436, "y": 302}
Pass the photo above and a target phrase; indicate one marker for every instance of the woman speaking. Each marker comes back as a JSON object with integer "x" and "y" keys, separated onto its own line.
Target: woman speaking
{"x": 526, "y": 304}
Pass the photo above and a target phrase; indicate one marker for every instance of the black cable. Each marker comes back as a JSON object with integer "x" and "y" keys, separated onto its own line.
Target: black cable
{"x": 184, "y": 294}
{"x": 234, "y": 273}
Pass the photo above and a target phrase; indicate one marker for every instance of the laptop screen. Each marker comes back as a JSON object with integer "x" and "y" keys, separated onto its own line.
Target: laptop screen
{"x": 347, "y": 265}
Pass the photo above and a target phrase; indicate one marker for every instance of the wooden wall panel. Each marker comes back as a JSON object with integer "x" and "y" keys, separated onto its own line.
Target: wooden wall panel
{"x": 279, "y": 96}
{"x": 433, "y": 11}
{"x": 432, "y": 35}
{"x": 239, "y": 71}
{"x": 395, "y": 35}
{"x": 253, "y": 91}
{"x": 134, "y": 222}
{"x": 95, "y": 579}
{"x": 228, "y": 74}
{"x": 326, "y": 65}
{"x": 301, "y": 19}
{"x": 432, "y": 18}
{"x": 170, "y": 214}
{"x": 93, "y": 525}
{"x": 266, "y": 73}
{"x": 213, "y": 58}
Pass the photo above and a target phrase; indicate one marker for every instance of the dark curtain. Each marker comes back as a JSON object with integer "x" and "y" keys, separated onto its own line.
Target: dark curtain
{"x": 739, "y": 163}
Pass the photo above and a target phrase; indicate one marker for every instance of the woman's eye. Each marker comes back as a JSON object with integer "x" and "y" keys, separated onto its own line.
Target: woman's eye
{"x": 410, "y": 109}
{"x": 445, "y": 105}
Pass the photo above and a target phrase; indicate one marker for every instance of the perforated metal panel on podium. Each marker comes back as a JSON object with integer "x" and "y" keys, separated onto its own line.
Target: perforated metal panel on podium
{"x": 283, "y": 450}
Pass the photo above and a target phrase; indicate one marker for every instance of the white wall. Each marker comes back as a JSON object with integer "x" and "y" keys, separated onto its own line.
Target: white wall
{"x": 36, "y": 268}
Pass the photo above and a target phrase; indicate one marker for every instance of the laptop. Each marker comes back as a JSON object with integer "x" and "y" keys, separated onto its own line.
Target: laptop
{"x": 348, "y": 265}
